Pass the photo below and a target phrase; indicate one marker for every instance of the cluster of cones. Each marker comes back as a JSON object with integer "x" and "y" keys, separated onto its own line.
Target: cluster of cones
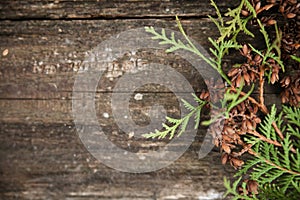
{"x": 244, "y": 118}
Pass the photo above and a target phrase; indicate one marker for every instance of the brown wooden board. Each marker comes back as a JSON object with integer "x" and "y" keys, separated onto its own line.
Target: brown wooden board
{"x": 42, "y": 46}
{"x": 74, "y": 9}
{"x": 43, "y": 162}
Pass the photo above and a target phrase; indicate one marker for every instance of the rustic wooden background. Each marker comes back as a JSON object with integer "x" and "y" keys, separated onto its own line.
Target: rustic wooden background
{"x": 42, "y": 45}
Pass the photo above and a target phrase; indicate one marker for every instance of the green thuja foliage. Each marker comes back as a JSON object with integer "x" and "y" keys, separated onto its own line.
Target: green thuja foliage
{"x": 275, "y": 160}
{"x": 295, "y": 58}
{"x": 221, "y": 46}
{"x": 275, "y": 168}
{"x": 180, "y": 125}
{"x": 236, "y": 24}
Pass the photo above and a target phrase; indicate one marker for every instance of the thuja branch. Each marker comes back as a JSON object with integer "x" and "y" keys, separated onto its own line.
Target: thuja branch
{"x": 220, "y": 47}
{"x": 252, "y": 100}
{"x": 179, "y": 124}
{"x": 265, "y": 110}
{"x": 273, "y": 164}
{"x": 263, "y": 138}
{"x": 276, "y": 155}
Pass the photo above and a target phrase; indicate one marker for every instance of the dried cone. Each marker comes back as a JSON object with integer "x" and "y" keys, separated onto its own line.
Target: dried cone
{"x": 285, "y": 82}
{"x": 204, "y": 95}
{"x": 271, "y": 22}
{"x": 224, "y": 158}
{"x": 257, "y": 59}
{"x": 228, "y": 130}
{"x": 291, "y": 93}
{"x": 275, "y": 71}
{"x": 226, "y": 147}
{"x": 291, "y": 15}
{"x": 257, "y": 6}
{"x": 245, "y": 51}
{"x": 236, "y": 163}
{"x": 252, "y": 187}
{"x": 245, "y": 13}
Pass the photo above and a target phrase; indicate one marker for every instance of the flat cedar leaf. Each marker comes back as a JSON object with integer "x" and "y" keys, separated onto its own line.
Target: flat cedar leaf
{"x": 213, "y": 52}
{"x": 235, "y": 184}
{"x": 187, "y": 105}
{"x": 249, "y": 164}
{"x": 286, "y": 145}
{"x": 183, "y": 126}
{"x": 216, "y": 23}
{"x": 163, "y": 33}
{"x": 287, "y": 182}
{"x": 197, "y": 118}
{"x": 292, "y": 114}
{"x": 172, "y": 120}
{"x": 296, "y": 185}
{"x": 165, "y": 126}
{"x": 275, "y": 157}
{"x": 220, "y": 18}
{"x": 249, "y": 6}
{"x": 271, "y": 176}
{"x": 266, "y": 127}
{"x": 259, "y": 171}
{"x": 266, "y": 152}
{"x": 214, "y": 43}
{"x": 164, "y": 42}
{"x": 173, "y": 37}
{"x": 296, "y": 161}
{"x": 171, "y": 49}
{"x": 198, "y": 100}
{"x": 295, "y": 58}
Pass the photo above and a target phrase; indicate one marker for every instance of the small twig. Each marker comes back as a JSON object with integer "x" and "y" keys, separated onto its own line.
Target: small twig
{"x": 261, "y": 85}
{"x": 265, "y": 110}
{"x": 278, "y": 131}
{"x": 261, "y": 99}
{"x": 246, "y": 148}
{"x": 263, "y": 138}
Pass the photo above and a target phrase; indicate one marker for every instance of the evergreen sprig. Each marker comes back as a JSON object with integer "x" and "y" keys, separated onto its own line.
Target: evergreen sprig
{"x": 275, "y": 146}
{"x": 272, "y": 49}
{"x": 230, "y": 100}
{"x": 295, "y": 58}
{"x": 220, "y": 48}
{"x": 173, "y": 125}
{"x": 276, "y": 169}
{"x": 232, "y": 189}
{"x": 234, "y": 26}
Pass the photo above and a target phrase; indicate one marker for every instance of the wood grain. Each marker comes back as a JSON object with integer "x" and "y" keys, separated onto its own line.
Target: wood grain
{"x": 41, "y": 154}
{"x": 42, "y": 46}
{"x": 108, "y": 9}
{"x": 42, "y": 162}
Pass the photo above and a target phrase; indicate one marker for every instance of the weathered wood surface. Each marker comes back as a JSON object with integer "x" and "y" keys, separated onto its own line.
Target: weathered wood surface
{"x": 49, "y": 162}
{"x": 41, "y": 155}
{"x": 74, "y": 9}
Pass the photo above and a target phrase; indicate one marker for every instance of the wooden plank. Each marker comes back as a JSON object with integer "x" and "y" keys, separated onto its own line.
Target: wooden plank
{"x": 40, "y": 161}
{"x": 79, "y": 9}
{"x": 47, "y": 67}
{"x": 60, "y": 110}
{"x": 45, "y": 56}
{"x": 41, "y": 155}
{"x": 66, "y": 42}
